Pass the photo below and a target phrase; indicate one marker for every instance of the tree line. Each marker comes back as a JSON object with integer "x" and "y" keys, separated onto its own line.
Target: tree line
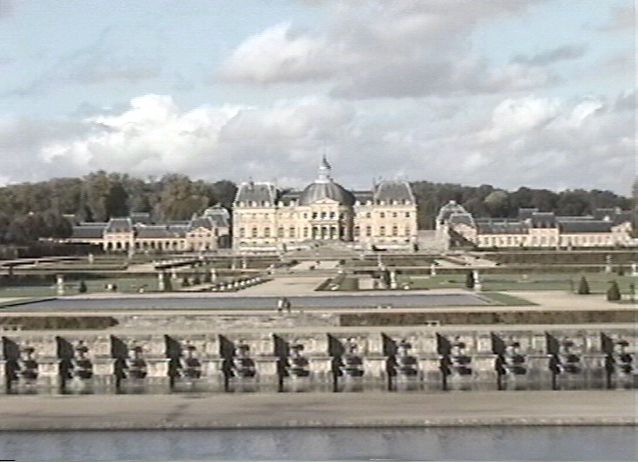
{"x": 29, "y": 211}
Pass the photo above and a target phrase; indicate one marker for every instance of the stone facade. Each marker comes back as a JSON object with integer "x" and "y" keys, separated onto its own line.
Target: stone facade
{"x": 534, "y": 229}
{"x": 210, "y": 231}
{"x": 267, "y": 218}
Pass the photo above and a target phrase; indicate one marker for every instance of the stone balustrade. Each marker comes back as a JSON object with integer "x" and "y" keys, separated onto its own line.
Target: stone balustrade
{"x": 319, "y": 361}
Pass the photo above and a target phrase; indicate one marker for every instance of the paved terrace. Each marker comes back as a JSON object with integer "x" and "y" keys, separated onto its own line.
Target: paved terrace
{"x": 298, "y": 410}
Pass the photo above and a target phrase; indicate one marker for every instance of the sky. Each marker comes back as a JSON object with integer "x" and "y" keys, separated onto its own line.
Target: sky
{"x": 538, "y": 93}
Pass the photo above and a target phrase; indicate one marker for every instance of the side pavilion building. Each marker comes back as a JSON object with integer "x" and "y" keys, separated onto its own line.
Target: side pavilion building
{"x": 266, "y": 218}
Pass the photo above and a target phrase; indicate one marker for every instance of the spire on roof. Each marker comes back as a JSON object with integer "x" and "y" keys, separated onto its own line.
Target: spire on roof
{"x": 324, "y": 170}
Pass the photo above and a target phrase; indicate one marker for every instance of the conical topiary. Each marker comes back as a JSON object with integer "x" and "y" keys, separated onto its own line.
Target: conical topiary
{"x": 469, "y": 280}
{"x": 613, "y": 293}
{"x": 583, "y": 286}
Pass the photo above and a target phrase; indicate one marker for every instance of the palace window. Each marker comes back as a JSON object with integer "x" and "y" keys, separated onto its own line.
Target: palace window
{"x": 314, "y": 214}
{"x": 368, "y": 231}
{"x": 332, "y": 214}
{"x": 291, "y": 232}
{"x": 323, "y": 214}
{"x": 305, "y": 232}
{"x": 395, "y": 230}
{"x": 254, "y": 232}
{"x": 280, "y": 232}
{"x": 266, "y": 231}
{"x": 407, "y": 214}
{"x": 356, "y": 231}
{"x": 382, "y": 214}
{"x": 407, "y": 230}
{"x": 368, "y": 215}
{"x": 382, "y": 231}
{"x": 394, "y": 214}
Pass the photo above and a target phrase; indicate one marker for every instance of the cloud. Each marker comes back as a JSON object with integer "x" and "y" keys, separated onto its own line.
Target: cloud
{"x": 623, "y": 18}
{"x": 109, "y": 59}
{"x": 385, "y": 49}
{"x": 6, "y": 8}
{"x": 562, "y": 53}
{"x": 529, "y": 140}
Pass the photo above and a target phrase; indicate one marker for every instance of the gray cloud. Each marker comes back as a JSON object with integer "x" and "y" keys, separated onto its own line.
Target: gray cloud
{"x": 6, "y": 8}
{"x": 385, "y": 49}
{"x": 621, "y": 19}
{"x": 562, "y": 53}
{"x": 535, "y": 141}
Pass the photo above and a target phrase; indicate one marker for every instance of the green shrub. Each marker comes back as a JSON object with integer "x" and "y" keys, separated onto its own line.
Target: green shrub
{"x": 469, "y": 280}
{"x": 185, "y": 282}
{"x": 82, "y": 288}
{"x": 583, "y": 286}
{"x": 613, "y": 293}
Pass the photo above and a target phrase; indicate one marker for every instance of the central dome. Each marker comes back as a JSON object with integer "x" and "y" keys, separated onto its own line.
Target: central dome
{"x": 326, "y": 190}
{"x": 324, "y": 187}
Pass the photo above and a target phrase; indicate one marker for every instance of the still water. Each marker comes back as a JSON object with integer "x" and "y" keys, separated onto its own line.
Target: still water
{"x": 490, "y": 443}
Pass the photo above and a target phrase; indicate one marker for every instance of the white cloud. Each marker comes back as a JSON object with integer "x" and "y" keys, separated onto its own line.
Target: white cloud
{"x": 532, "y": 140}
{"x": 385, "y": 49}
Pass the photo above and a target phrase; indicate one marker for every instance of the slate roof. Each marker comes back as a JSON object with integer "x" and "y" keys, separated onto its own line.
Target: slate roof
{"x": 141, "y": 217}
{"x": 526, "y": 213}
{"x": 363, "y": 196}
{"x": 219, "y": 215}
{"x": 502, "y": 227}
{"x": 543, "y": 220}
{"x": 320, "y": 190}
{"x": 88, "y": 231}
{"x": 389, "y": 191}
{"x": 258, "y": 193}
{"x": 448, "y": 209}
{"x": 119, "y": 225}
{"x": 462, "y": 218}
{"x": 156, "y": 232}
{"x": 288, "y": 197}
{"x": 586, "y": 226}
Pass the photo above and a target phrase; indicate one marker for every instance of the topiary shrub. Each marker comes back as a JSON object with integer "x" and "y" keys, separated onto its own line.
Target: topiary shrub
{"x": 583, "y": 286}
{"x": 613, "y": 293}
{"x": 82, "y": 287}
{"x": 469, "y": 280}
{"x": 185, "y": 282}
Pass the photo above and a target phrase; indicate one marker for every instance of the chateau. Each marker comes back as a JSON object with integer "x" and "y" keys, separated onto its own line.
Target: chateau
{"x": 535, "y": 229}
{"x": 210, "y": 231}
{"x": 267, "y": 218}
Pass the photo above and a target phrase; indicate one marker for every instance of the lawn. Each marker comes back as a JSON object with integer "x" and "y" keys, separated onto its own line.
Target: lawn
{"x": 124, "y": 285}
{"x": 598, "y": 282}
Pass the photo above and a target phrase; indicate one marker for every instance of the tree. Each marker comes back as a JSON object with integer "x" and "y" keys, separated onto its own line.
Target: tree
{"x": 469, "y": 280}
{"x": 583, "y": 286}
{"x": 613, "y": 293}
{"x": 82, "y": 287}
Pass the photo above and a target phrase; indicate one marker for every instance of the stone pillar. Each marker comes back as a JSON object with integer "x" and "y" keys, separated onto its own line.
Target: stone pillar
{"x": 59, "y": 282}
{"x": 433, "y": 270}
{"x": 608, "y": 264}
{"x": 161, "y": 282}
{"x": 244, "y": 263}
{"x": 174, "y": 273}
{"x": 634, "y": 269}
{"x": 393, "y": 279}
{"x": 91, "y": 259}
{"x": 213, "y": 275}
{"x": 477, "y": 281}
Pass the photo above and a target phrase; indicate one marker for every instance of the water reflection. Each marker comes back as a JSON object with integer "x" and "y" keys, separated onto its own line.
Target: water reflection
{"x": 537, "y": 443}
